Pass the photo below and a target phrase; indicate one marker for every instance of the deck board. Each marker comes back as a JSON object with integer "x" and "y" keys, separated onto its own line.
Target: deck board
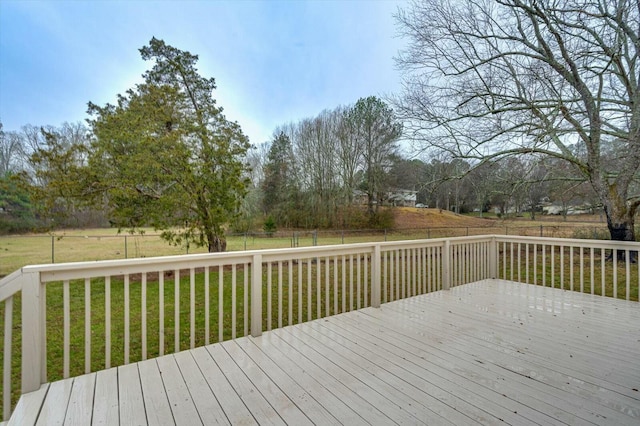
{"x": 80, "y": 407}
{"x": 156, "y": 402}
{"x": 205, "y": 401}
{"x": 105, "y": 401}
{"x": 130, "y": 398}
{"x": 492, "y": 352}
{"x": 181, "y": 402}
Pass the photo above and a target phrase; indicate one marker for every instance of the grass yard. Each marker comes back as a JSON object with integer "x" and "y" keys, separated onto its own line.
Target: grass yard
{"x": 17, "y": 251}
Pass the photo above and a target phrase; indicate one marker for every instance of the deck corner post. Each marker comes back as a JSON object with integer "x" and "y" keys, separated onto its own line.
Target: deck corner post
{"x": 33, "y": 320}
{"x": 256, "y": 296}
{"x": 493, "y": 258}
{"x": 446, "y": 265}
{"x": 376, "y": 277}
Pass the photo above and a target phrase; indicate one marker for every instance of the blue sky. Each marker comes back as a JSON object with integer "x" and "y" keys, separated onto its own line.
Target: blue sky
{"x": 274, "y": 61}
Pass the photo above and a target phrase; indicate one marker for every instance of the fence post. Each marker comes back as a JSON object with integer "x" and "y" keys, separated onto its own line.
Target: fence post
{"x": 33, "y": 332}
{"x": 376, "y": 276}
{"x": 256, "y": 295}
{"x": 493, "y": 258}
{"x": 446, "y": 265}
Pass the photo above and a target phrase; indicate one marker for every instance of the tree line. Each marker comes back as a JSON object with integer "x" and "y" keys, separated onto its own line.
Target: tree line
{"x": 313, "y": 170}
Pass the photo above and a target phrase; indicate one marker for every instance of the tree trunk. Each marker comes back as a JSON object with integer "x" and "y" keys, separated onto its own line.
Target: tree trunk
{"x": 620, "y": 217}
{"x": 371, "y": 199}
{"x": 621, "y": 229}
{"x": 621, "y": 224}
{"x": 217, "y": 244}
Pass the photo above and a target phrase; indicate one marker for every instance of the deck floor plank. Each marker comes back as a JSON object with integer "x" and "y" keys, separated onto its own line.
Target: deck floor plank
{"x": 408, "y": 397}
{"x": 80, "y": 408}
{"x": 454, "y": 394}
{"x": 28, "y": 407}
{"x": 548, "y": 332}
{"x": 105, "y": 400}
{"x": 586, "y": 373}
{"x": 271, "y": 347}
{"x": 54, "y": 407}
{"x": 512, "y": 391}
{"x": 286, "y": 408}
{"x": 156, "y": 403}
{"x": 370, "y": 387}
{"x": 234, "y": 408}
{"x": 296, "y": 392}
{"x": 262, "y": 411}
{"x": 181, "y": 402}
{"x": 468, "y": 382}
{"x": 335, "y": 381}
{"x": 514, "y": 361}
{"x": 130, "y": 398}
{"x": 492, "y": 352}
{"x": 204, "y": 399}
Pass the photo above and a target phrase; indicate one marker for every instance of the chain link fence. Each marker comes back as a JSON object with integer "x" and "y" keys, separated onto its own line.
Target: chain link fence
{"x": 18, "y": 251}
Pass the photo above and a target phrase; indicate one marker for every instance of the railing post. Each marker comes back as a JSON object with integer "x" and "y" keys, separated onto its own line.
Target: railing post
{"x": 256, "y": 296}
{"x": 32, "y": 332}
{"x": 376, "y": 277}
{"x": 446, "y": 265}
{"x": 493, "y": 258}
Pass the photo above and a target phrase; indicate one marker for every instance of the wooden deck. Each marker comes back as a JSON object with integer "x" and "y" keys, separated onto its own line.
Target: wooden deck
{"x": 492, "y": 352}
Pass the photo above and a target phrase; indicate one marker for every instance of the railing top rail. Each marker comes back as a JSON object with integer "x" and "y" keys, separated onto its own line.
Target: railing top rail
{"x": 61, "y": 271}
{"x": 74, "y": 270}
{"x": 608, "y": 244}
{"x": 10, "y": 285}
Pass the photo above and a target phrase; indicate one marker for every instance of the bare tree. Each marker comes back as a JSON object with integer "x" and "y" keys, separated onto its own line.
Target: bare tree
{"x": 487, "y": 79}
{"x": 349, "y": 152}
{"x": 378, "y": 131}
{"x": 315, "y": 147}
{"x": 11, "y": 152}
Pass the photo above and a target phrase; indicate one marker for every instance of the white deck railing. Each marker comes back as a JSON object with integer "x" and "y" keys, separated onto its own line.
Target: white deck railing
{"x": 117, "y": 312}
{"x": 606, "y": 268}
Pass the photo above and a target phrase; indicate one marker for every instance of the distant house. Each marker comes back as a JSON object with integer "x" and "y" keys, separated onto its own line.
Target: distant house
{"x": 396, "y": 198}
{"x": 360, "y": 197}
{"x": 401, "y": 198}
{"x": 553, "y": 209}
{"x": 572, "y": 208}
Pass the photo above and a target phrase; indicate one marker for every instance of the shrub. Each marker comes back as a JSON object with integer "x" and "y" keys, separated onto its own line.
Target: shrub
{"x": 382, "y": 219}
{"x": 269, "y": 226}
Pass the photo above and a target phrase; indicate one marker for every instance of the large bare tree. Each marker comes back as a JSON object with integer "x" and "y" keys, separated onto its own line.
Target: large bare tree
{"x": 377, "y": 131}
{"x": 485, "y": 79}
